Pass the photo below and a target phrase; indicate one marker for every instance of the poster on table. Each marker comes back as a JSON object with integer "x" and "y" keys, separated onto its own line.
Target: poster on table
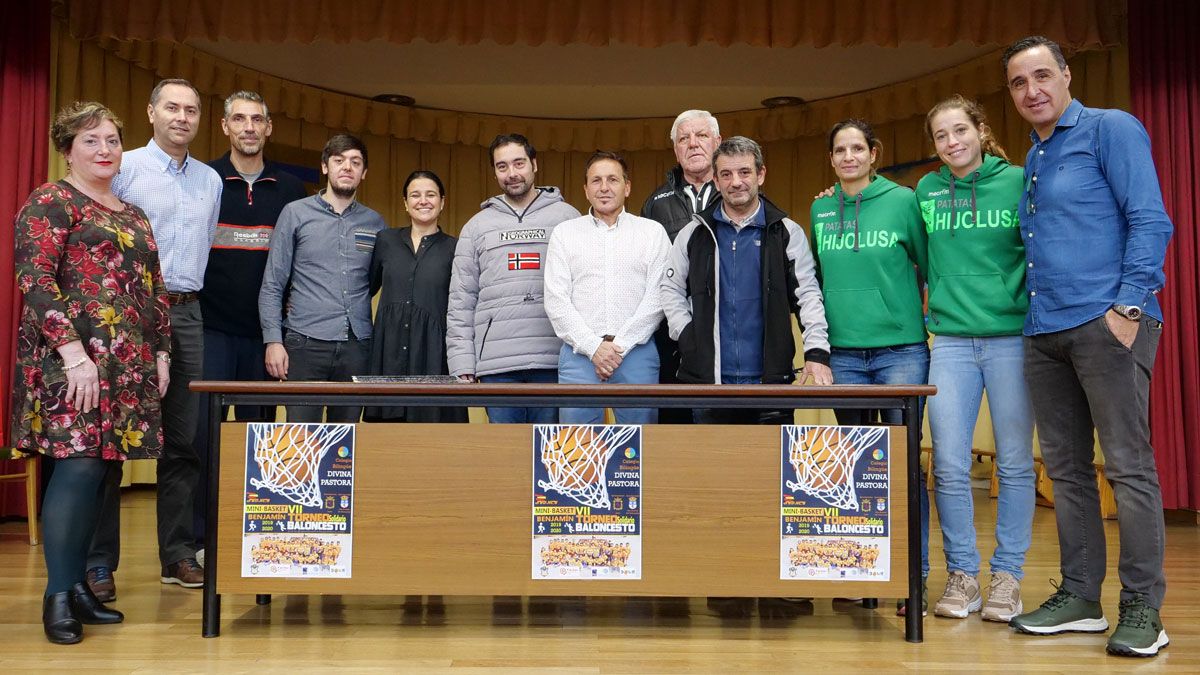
{"x": 587, "y": 501}
{"x": 297, "y": 516}
{"x": 835, "y": 508}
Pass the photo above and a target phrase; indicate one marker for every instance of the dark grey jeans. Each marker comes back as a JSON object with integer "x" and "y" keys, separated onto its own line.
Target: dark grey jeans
{"x": 179, "y": 467}
{"x": 310, "y": 359}
{"x": 1081, "y": 381}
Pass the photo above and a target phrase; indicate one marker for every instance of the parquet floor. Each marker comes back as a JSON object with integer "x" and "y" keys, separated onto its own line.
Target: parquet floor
{"x": 597, "y": 635}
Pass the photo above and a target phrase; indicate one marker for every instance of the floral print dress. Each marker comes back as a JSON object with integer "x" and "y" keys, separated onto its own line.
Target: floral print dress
{"x": 88, "y": 273}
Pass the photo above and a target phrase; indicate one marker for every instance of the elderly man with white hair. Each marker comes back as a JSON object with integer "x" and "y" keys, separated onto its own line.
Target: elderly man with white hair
{"x": 695, "y": 135}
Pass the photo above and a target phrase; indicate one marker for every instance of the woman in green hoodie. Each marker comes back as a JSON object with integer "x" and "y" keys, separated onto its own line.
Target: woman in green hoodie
{"x": 868, "y": 240}
{"x": 977, "y": 307}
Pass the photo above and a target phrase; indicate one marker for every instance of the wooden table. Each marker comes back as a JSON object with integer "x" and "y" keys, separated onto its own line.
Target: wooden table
{"x": 444, "y": 509}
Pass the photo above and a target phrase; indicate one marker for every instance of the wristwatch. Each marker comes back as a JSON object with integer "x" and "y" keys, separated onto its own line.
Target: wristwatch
{"x": 1131, "y": 312}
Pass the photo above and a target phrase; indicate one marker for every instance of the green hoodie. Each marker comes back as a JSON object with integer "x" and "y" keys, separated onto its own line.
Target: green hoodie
{"x": 865, "y": 247}
{"x": 976, "y": 258}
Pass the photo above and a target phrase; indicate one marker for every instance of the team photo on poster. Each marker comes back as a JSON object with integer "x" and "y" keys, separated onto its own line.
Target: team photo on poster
{"x": 587, "y": 501}
{"x": 834, "y": 503}
{"x": 299, "y": 501}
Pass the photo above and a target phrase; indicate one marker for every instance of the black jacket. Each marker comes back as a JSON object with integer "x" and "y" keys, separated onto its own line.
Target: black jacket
{"x": 669, "y": 205}
{"x": 229, "y": 299}
{"x": 691, "y": 290}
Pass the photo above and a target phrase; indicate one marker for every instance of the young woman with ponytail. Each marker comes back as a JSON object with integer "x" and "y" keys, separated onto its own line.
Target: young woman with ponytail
{"x": 977, "y": 307}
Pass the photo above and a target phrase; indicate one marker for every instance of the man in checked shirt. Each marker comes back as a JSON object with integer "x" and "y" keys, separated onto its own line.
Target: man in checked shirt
{"x": 182, "y": 197}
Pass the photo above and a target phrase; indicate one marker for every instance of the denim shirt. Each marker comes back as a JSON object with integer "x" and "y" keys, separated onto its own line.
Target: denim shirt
{"x": 741, "y": 310}
{"x": 1092, "y": 220}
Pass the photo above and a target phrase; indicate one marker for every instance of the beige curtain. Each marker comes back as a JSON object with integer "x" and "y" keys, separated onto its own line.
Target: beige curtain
{"x": 121, "y": 74}
{"x": 1077, "y": 24}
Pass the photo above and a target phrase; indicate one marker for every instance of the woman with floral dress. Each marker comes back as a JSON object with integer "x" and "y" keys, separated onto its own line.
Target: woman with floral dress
{"x": 92, "y": 350}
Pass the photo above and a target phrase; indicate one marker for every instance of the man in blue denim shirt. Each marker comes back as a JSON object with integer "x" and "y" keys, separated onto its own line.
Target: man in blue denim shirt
{"x": 1096, "y": 235}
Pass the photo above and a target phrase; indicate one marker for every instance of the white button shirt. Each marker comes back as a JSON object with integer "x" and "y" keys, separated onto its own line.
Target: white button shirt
{"x": 603, "y": 280}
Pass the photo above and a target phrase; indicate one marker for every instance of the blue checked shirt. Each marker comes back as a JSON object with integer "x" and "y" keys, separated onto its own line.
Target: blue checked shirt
{"x": 1092, "y": 219}
{"x": 182, "y": 203}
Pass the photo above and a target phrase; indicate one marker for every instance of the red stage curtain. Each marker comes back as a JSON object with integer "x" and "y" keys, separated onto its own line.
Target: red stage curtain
{"x": 24, "y": 125}
{"x": 1164, "y": 75}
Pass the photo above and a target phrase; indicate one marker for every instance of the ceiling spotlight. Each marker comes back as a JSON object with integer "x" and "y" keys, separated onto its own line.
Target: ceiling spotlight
{"x": 782, "y": 101}
{"x": 395, "y": 99}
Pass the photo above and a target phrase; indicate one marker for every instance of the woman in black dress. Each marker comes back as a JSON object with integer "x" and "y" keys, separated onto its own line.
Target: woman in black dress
{"x": 412, "y": 267}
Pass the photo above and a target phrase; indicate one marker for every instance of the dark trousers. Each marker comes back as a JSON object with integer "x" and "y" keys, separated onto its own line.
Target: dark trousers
{"x": 1081, "y": 381}
{"x": 226, "y": 357}
{"x": 178, "y": 468}
{"x": 744, "y": 416}
{"x": 310, "y": 359}
{"x": 668, "y": 373}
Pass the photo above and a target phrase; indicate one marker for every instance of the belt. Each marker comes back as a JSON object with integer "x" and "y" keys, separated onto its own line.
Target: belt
{"x": 182, "y": 298}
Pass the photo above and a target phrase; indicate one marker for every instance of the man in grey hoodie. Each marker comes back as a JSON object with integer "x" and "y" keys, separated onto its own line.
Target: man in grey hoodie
{"x": 496, "y": 327}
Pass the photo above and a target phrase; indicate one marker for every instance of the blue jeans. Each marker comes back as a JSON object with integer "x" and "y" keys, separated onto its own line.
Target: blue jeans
{"x": 638, "y": 366}
{"x": 523, "y": 415}
{"x": 962, "y": 368}
{"x": 900, "y": 364}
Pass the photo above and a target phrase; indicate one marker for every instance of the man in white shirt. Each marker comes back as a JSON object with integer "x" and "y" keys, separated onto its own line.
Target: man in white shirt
{"x": 601, "y": 287}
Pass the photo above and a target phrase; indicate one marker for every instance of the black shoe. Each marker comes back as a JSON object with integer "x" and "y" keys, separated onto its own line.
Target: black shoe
{"x": 62, "y": 628}
{"x": 784, "y": 608}
{"x": 732, "y": 608}
{"x": 88, "y": 609}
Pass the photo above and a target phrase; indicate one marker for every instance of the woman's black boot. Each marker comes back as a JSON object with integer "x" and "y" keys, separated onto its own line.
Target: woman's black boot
{"x": 88, "y": 609}
{"x": 62, "y": 628}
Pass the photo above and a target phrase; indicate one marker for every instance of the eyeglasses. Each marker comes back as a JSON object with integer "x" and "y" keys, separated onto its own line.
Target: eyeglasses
{"x": 1031, "y": 194}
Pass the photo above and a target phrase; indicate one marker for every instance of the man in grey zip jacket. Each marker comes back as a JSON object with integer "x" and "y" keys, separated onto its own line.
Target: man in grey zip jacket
{"x": 496, "y": 326}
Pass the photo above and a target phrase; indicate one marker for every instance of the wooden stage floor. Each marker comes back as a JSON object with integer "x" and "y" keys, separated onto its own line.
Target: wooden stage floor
{"x": 597, "y": 635}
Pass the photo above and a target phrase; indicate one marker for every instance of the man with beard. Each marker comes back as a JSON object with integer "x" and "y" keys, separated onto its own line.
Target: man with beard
{"x": 320, "y": 258}
{"x": 496, "y": 328}
{"x": 689, "y": 190}
{"x": 181, "y": 197}
{"x": 255, "y": 192}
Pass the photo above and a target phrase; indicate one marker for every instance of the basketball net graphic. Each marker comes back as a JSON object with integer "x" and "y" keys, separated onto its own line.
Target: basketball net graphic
{"x": 293, "y": 476}
{"x": 580, "y": 477}
{"x": 824, "y": 457}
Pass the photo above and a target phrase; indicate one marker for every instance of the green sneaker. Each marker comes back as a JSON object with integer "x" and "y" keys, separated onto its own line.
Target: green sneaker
{"x": 1063, "y": 612}
{"x": 1139, "y": 631}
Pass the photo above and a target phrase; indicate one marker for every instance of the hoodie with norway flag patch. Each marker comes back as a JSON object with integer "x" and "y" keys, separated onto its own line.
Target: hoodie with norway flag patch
{"x": 976, "y": 257}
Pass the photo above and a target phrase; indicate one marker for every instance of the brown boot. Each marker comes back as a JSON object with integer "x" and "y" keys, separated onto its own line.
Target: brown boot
{"x": 186, "y": 573}
{"x": 103, "y": 583}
